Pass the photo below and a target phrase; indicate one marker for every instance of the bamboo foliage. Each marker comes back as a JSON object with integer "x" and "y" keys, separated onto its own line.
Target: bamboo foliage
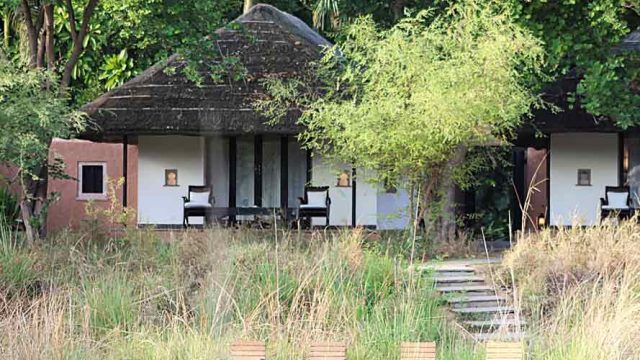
{"x": 403, "y": 101}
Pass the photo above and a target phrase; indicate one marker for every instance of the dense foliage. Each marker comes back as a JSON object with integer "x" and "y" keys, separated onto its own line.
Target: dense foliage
{"x": 30, "y": 117}
{"x": 579, "y": 39}
{"x": 407, "y": 101}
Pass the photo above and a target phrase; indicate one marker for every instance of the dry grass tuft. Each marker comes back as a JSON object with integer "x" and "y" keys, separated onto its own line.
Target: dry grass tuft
{"x": 581, "y": 290}
{"x": 143, "y": 297}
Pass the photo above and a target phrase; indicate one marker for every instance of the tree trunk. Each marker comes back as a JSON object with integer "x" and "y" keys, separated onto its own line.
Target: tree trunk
{"x": 427, "y": 196}
{"x": 6, "y": 22}
{"x": 32, "y": 34}
{"x": 49, "y": 31}
{"x": 41, "y": 48}
{"x": 25, "y": 213}
{"x": 78, "y": 40}
{"x": 398, "y": 9}
{"x": 248, "y": 4}
{"x": 448, "y": 224}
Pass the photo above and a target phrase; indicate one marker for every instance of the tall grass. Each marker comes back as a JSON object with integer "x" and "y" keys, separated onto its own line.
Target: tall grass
{"x": 581, "y": 290}
{"x": 188, "y": 295}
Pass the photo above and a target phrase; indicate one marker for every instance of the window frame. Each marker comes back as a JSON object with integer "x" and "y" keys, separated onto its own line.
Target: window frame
{"x": 589, "y": 179}
{"x": 92, "y": 196}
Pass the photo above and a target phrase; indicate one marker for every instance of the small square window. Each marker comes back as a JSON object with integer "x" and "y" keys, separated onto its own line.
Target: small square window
{"x": 91, "y": 181}
{"x": 584, "y": 177}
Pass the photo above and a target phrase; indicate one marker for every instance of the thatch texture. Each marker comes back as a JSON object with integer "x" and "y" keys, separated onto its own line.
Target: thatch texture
{"x": 630, "y": 43}
{"x": 268, "y": 43}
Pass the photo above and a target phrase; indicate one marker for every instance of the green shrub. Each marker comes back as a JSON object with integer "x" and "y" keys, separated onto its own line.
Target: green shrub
{"x": 17, "y": 264}
{"x": 112, "y": 302}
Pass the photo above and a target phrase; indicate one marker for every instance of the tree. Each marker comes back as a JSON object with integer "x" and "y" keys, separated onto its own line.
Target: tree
{"x": 29, "y": 118}
{"x": 28, "y": 136}
{"x": 330, "y": 14}
{"x": 86, "y": 47}
{"x": 38, "y": 19}
{"x": 406, "y": 102}
{"x": 580, "y": 38}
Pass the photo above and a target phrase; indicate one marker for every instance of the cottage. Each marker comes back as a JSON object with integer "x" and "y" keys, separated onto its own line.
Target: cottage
{"x": 210, "y": 134}
{"x": 584, "y": 153}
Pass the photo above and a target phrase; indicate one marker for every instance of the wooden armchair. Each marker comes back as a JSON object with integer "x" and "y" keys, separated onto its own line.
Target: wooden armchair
{"x": 198, "y": 202}
{"x": 315, "y": 203}
{"x": 617, "y": 200}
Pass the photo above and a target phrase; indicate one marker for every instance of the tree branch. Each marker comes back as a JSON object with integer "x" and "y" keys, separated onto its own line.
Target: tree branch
{"x": 77, "y": 44}
{"x": 72, "y": 20}
{"x": 41, "y": 47}
{"x": 49, "y": 28}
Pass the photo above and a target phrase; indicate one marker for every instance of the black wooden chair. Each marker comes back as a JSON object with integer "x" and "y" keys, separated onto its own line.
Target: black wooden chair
{"x": 315, "y": 203}
{"x": 616, "y": 201}
{"x": 198, "y": 202}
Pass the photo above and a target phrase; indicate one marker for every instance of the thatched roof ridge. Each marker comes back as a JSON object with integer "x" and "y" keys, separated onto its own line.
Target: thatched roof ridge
{"x": 631, "y": 42}
{"x": 268, "y": 42}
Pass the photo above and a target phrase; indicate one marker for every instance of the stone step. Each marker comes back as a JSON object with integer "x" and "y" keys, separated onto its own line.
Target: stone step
{"x": 453, "y": 273}
{"x": 477, "y": 301}
{"x": 458, "y": 279}
{"x": 499, "y": 336}
{"x": 462, "y": 299}
{"x": 442, "y": 269}
{"x": 478, "y": 304}
{"x": 463, "y": 288}
{"x": 484, "y": 310}
{"x": 494, "y": 323}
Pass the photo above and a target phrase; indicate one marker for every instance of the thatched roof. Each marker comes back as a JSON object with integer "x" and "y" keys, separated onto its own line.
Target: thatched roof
{"x": 268, "y": 43}
{"x": 630, "y": 43}
{"x": 570, "y": 116}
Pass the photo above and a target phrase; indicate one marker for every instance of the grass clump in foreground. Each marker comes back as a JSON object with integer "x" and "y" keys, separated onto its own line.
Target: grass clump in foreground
{"x": 580, "y": 289}
{"x": 189, "y": 297}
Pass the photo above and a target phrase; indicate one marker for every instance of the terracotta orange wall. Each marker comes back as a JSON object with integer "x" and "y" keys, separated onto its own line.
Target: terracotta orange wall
{"x": 537, "y": 167}
{"x": 68, "y": 211}
{"x": 7, "y": 173}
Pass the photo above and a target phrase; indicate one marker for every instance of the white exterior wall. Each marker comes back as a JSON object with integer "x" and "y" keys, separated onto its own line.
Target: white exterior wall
{"x": 366, "y": 198}
{"x": 573, "y": 151}
{"x": 271, "y": 172}
{"x": 393, "y": 210}
{"x": 218, "y": 158}
{"x": 159, "y": 204}
{"x": 326, "y": 174}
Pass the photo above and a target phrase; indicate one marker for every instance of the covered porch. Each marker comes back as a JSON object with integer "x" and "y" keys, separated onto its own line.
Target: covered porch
{"x": 247, "y": 174}
{"x": 585, "y": 162}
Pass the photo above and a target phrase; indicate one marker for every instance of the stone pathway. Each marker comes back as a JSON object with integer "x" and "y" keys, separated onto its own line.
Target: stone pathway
{"x": 480, "y": 306}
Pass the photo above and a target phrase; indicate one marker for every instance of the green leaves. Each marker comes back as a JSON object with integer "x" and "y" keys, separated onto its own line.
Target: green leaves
{"x": 410, "y": 96}
{"x": 117, "y": 69}
{"x": 610, "y": 88}
{"x": 30, "y": 117}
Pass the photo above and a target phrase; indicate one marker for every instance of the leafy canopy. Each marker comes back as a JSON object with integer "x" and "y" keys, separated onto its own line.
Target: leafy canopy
{"x": 579, "y": 39}
{"x": 403, "y": 101}
{"x": 30, "y": 116}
